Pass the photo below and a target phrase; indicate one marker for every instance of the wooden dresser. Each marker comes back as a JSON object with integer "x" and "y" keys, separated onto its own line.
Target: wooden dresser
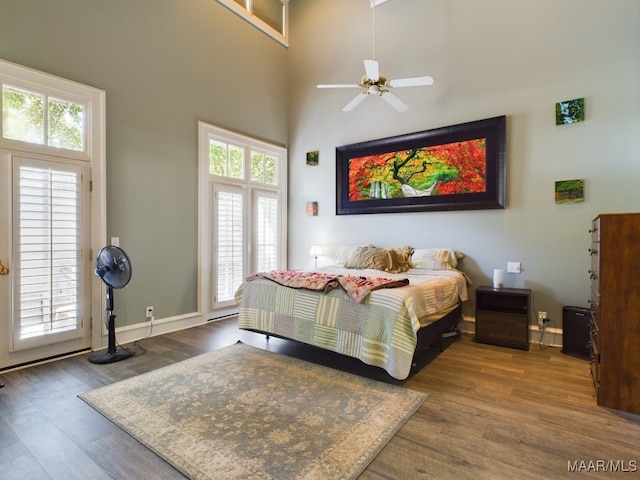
{"x": 615, "y": 310}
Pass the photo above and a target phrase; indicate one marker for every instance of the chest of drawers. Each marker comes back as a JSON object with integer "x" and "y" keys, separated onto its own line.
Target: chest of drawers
{"x": 614, "y": 333}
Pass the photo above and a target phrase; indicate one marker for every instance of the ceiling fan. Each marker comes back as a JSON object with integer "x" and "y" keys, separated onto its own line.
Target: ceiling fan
{"x": 375, "y": 83}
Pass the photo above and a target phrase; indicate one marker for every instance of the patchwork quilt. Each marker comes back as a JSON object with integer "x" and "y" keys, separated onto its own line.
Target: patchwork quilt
{"x": 380, "y": 330}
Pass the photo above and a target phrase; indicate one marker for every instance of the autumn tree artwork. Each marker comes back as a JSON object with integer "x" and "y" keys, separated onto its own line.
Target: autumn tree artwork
{"x": 456, "y": 167}
{"x": 451, "y": 168}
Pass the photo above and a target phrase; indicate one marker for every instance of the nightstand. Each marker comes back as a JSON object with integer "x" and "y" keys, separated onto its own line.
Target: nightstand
{"x": 502, "y": 316}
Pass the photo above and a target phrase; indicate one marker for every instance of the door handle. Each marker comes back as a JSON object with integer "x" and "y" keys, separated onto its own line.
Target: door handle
{"x": 3, "y": 270}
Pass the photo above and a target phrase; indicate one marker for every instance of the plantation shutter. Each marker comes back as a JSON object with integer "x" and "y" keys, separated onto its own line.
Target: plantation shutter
{"x": 229, "y": 241}
{"x": 47, "y": 250}
{"x": 266, "y": 222}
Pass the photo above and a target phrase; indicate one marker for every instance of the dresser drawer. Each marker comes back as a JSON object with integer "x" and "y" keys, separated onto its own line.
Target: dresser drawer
{"x": 595, "y": 230}
{"x": 594, "y": 271}
{"x": 594, "y": 362}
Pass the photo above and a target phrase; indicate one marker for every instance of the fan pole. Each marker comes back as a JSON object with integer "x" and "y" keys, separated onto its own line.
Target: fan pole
{"x": 113, "y": 354}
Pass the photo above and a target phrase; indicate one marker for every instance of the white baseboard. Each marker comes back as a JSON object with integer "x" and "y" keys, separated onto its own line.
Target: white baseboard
{"x": 138, "y": 331}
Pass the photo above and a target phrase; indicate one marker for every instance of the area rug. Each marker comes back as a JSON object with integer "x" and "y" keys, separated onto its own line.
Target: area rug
{"x": 245, "y": 413}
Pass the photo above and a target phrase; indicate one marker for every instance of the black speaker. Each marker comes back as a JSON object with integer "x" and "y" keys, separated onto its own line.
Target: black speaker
{"x": 575, "y": 331}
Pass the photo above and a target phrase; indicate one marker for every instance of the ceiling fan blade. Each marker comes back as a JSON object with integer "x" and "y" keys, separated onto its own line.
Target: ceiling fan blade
{"x": 395, "y": 102}
{"x": 355, "y": 102}
{"x": 338, "y": 85}
{"x": 411, "y": 82}
{"x": 372, "y": 70}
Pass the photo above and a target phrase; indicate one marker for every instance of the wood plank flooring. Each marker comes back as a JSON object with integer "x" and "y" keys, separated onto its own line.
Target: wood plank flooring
{"x": 492, "y": 413}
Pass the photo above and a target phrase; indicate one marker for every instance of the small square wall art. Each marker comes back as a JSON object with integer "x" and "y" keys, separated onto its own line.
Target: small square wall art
{"x": 312, "y": 209}
{"x": 570, "y": 111}
{"x": 570, "y": 191}
{"x": 312, "y": 158}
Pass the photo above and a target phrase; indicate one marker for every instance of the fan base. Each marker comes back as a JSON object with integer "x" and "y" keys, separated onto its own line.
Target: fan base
{"x": 107, "y": 357}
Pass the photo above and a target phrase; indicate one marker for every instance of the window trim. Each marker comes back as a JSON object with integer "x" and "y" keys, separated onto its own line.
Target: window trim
{"x": 281, "y": 37}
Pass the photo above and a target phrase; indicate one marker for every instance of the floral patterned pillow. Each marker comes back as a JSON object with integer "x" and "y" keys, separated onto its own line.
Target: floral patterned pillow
{"x": 435, "y": 258}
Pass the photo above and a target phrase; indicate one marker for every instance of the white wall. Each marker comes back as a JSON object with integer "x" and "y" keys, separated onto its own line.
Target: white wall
{"x": 495, "y": 57}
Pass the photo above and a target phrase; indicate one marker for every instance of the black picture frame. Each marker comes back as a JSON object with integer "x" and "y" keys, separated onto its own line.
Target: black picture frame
{"x": 491, "y": 136}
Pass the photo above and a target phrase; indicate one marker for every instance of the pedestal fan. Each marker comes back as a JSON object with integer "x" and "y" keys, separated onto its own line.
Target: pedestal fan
{"x": 114, "y": 268}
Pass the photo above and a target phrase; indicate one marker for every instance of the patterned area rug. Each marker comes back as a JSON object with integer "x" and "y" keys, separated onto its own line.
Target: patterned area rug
{"x": 244, "y": 413}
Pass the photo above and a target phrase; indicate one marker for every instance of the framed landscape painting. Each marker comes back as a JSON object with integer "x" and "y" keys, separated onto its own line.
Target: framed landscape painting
{"x": 569, "y": 191}
{"x": 461, "y": 167}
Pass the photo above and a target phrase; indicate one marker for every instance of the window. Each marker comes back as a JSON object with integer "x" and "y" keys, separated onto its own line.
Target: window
{"x": 243, "y": 212}
{"x": 41, "y": 119}
{"x": 270, "y": 16}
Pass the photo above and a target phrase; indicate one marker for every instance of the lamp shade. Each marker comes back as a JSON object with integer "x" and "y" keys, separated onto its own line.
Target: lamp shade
{"x": 315, "y": 250}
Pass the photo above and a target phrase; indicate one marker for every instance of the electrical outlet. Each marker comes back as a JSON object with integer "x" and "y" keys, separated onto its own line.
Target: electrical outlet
{"x": 514, "y": 267}
{"x": 149, "y": 313}
{"x": 542, "y": 319}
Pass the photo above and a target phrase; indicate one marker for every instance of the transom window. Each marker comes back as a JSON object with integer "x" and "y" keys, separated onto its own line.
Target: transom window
{"x": 270, "y": 16}
{"x": 40, "y": 119}
{"x": 228, "y": 160}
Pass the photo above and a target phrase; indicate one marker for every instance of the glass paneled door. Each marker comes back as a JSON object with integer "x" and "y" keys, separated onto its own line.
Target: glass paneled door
{"x": 45, "y": 286}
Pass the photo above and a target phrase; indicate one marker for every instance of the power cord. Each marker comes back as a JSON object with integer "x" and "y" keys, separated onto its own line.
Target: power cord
{"x": 543, "y": 331}
{"x": 137, "y": 345}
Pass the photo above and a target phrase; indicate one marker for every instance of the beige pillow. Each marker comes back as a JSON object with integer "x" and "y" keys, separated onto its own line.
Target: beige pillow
{"x": 403, "y": 257}
{"x": 386, "y": 260}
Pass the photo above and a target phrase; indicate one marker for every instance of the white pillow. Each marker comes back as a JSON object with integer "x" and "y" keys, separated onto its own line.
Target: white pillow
{"x": 435, "y": 258}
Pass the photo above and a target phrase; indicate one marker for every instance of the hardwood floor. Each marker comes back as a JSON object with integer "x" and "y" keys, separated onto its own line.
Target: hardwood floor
{"x": 492, "y": 413}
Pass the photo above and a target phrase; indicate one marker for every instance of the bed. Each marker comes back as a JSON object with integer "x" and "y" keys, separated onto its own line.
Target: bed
{"x": 386, "y": 327}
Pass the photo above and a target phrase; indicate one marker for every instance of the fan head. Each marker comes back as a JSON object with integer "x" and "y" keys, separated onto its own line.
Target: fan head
{"x": 113, "y": 266}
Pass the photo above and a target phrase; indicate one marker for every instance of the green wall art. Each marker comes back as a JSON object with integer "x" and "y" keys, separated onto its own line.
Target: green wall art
{"x": 570, "y": 111}
{"x": 569, "y": 191}
{"x": 313, "y": 158}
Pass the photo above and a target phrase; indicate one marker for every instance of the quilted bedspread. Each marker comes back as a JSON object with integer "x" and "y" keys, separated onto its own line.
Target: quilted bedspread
{"x": 380, "y": 330}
